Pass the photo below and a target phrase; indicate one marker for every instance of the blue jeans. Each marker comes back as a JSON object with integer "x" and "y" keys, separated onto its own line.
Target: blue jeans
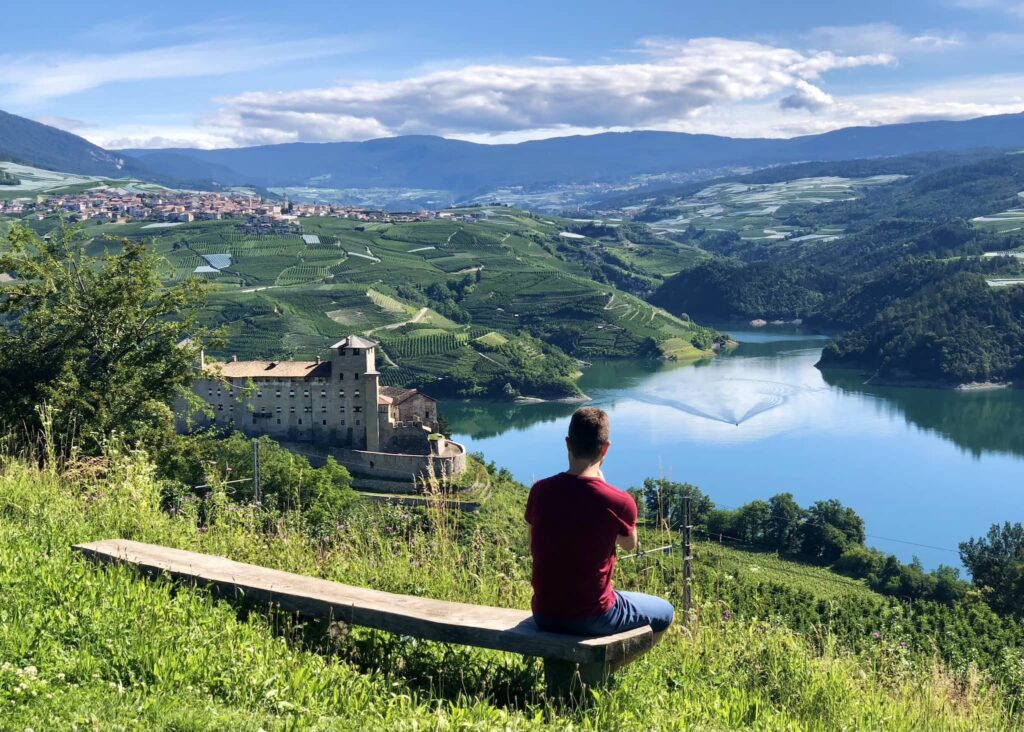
{"x": 631, "y": 610}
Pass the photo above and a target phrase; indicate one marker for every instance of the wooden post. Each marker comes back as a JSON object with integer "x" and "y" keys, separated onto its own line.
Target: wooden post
{"x": 687, "y": 561}
{"x": 569, "y": 682}
{"x": 256, "y": 486}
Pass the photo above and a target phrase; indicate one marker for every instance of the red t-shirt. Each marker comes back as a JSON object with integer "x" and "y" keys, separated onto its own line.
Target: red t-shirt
{"x": 575, "y": 522}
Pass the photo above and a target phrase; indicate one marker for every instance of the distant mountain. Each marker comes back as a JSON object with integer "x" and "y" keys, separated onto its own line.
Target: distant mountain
{"x": 465, "y": 168}
{"x": 32, "y": 143}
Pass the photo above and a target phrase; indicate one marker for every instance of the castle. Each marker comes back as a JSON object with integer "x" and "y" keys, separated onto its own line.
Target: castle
{"x": 334, "y": 406}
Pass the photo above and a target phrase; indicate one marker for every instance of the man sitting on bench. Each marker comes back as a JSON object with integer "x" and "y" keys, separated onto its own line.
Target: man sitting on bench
{"x": 576, "y": 520}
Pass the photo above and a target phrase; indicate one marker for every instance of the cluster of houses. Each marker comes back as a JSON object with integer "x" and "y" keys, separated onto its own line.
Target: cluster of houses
{"x": 123, "y": 205}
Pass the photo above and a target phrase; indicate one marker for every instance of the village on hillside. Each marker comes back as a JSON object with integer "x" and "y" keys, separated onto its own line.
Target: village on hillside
{"x": 122, "y": 205}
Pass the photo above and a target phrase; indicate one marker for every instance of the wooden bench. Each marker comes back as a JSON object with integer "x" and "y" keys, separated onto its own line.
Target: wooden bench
{"x": 571, "y": 663}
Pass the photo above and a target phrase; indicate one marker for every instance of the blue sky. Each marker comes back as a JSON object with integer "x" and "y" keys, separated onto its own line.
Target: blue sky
{"x": 230, "y": 73}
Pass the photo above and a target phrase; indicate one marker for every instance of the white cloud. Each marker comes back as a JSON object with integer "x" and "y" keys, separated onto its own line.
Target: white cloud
{"x": 881, "y": 38}
{"x": 806, "y": 96}
{"x": 33, "y": 78}
{"x": 708, "y": 85}
{"x": 673, "y": 83}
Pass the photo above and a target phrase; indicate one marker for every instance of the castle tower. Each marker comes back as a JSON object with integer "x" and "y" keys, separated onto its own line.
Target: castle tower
{"x": 355, "y": 385}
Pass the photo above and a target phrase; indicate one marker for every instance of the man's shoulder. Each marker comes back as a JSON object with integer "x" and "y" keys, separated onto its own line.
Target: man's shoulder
{"x": 545, "y": 483}
{"x": 614, "y": 494}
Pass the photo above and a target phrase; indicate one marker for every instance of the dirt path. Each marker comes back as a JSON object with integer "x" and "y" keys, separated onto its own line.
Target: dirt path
{"x": 392, "y": 326}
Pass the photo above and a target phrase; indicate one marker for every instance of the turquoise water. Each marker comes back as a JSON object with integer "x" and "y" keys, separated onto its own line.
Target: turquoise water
{"x": 925, "y": 466}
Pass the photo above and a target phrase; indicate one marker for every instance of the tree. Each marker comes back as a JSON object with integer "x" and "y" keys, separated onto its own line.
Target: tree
{"x": 829, "y": 530}
{"x": 784, "y": 530}
{"x": 92, "y": 345}
{"x": 663, "y": 501}
{"x": 752, "y": 523}
{"x": 996, "y": 563}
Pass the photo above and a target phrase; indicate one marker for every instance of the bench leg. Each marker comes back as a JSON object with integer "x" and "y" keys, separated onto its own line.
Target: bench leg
{"x": 570, "y": 681}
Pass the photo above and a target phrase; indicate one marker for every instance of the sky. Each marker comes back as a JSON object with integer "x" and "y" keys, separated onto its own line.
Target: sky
{"x": 228, "y": 74}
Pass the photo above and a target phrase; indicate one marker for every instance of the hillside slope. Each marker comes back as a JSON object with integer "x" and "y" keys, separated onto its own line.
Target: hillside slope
{"x": 32, "y": 143}
{"x": 99, "y": 648}
{"x": 906, "y": 271}
{"x": 486, "y": 307}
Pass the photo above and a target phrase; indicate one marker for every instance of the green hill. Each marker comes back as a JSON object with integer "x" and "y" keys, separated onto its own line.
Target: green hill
{"x": 428, "y": 292}
{"x": 773, "y": 645}
{"x": 903, "y": 267}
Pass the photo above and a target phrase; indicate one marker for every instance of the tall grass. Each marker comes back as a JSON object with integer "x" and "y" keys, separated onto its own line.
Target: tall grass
{"x": 85, "y": 647}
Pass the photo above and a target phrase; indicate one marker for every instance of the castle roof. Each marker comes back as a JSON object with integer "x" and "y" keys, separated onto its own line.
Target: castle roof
{"x": 270, "y": 369}
{"x": 397, "y": 395}
{"x": 354, "y": 341}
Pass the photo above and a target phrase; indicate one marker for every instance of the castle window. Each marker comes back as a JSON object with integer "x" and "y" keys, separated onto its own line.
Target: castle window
{"x": 356, "y": 376}
{"x": 259, "y": 394}
{"x": 357, "y": 409}
{"x": 357, "y": 393}
{"x": 292, "y": 410}
{"x": 343, "y": 423}
{"x": 279, "y": 421}
{"x": 279, "y": 410}
{"x": 358, "y": 423}
{"x": 325, "y": 421}
{"x": 323, "y": 408}
{"x": 341, "y": 394}
{"x": 277, "y": 393}
{"x": 220, "y": 407}
{"x": 300, "y": 420}
{"x": 291, "y": 393}
{"x": 341, "y": 377}
{"x": 305, "y": 392}
{"x": 323, "y": 394}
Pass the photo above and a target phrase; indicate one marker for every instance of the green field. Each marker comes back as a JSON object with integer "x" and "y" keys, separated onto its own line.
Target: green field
{"x": 1003, "y": 222}
{"x": 760, "y": 212}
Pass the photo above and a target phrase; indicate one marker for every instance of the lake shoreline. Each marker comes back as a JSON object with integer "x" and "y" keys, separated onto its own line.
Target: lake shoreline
{"x": 909, "y": 382}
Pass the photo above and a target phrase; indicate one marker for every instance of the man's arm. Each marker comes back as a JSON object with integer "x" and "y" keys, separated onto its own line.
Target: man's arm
{"x": 629, "y": 542}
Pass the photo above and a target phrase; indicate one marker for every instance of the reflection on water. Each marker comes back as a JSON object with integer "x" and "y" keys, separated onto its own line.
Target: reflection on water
{"x": 762, "y": 420}
{"x": 774, "y": 372}
{"x": 977, "y": 421}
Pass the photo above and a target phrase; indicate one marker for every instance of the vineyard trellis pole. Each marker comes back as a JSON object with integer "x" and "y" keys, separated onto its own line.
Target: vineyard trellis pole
{"x": 256, "y": 486}
{"x": 687, "y": 561}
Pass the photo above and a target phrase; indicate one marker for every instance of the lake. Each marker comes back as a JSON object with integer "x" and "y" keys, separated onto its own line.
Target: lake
{"x": 922, "y": 466}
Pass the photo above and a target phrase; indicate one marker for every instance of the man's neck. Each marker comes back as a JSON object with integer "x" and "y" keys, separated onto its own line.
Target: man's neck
{"x": 584, "y": 469}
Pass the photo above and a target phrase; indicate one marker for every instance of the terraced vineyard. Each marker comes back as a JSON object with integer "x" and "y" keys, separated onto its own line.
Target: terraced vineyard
{"x": 456, "y": 304}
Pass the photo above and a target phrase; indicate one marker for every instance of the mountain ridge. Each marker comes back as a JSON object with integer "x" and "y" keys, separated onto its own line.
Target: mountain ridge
{"x": 424, "y": 161}
{"x": 465, "y": 168}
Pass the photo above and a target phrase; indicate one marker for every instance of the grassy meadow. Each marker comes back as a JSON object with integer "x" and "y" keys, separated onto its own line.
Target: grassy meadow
{"x": 90, "y": 648}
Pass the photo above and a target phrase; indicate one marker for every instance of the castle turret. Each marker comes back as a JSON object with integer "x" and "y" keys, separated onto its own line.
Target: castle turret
{"x": 356, "y": 386}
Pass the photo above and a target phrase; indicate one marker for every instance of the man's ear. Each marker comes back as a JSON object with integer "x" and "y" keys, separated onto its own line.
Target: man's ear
{"x": 604, "y": 450}
{"x": 568, "y": 446}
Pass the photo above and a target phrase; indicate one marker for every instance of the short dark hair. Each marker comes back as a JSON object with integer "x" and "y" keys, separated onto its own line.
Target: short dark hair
{"x": 588, "y": 432}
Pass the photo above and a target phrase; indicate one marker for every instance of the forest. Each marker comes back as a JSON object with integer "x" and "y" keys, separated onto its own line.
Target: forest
{"x": 905, "y": 287}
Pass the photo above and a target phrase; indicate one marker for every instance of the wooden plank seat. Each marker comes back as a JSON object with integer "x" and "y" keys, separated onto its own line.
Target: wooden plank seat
{"x": 570, "y": 662}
